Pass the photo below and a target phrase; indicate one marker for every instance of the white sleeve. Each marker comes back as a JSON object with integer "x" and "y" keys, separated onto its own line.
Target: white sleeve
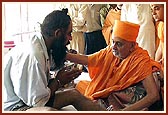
{"x": 124, "y": 11}
{"x": 30, "y": 81}
{"x": 80, "y": 19}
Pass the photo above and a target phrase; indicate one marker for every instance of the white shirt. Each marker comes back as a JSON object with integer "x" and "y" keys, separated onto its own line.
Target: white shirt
{"x": 78, "y": 15}
{"x": 93, "y": 22}
{"x": 25, "y": 74}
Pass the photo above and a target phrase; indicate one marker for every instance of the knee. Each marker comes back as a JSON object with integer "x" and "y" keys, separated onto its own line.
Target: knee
{"x": 41, "y": 109}
{"x": 50, "y": 109}
{"x": 74, "y": 93}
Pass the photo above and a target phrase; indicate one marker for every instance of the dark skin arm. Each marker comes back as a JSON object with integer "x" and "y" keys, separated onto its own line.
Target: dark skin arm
{"x": 149, "y": 99}
{"x": 77, "y": 58}
{"x": 64, "y": 77}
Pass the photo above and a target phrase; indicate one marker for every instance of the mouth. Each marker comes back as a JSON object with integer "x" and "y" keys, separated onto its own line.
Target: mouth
{"x": 156, "y": 18}
{"x": 115, "y": 52}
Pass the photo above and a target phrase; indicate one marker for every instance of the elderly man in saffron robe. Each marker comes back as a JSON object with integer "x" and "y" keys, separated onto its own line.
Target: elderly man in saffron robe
{"x": 119, "y": 66}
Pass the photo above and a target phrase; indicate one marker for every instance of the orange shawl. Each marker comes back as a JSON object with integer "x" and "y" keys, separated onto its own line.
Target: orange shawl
{"x": 160, "y": 35}
{"x": 108, "y": 75}
{"x": 157, "y": 40}
{"x": 160, "y": 30}
{"x": 109, "y": 23}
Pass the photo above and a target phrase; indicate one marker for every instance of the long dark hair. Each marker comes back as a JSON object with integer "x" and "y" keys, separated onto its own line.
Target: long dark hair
{"x": 55, "y": 20}
{"x": 58, "y": 19}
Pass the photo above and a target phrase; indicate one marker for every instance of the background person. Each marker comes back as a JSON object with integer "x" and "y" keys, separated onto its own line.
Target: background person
{"x": 141, "y": 14}
{"x": 78, "y": 16}
{"x": 94, "y": 39}
{"x": 158, "y": 15}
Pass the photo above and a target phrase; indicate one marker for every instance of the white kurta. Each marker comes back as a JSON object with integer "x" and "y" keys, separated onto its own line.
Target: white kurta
{"x": 78, "y": 16}
{"x": 141, "y": 14}
{"x": 93, "y": 21}
{"x": 25, "y": 75}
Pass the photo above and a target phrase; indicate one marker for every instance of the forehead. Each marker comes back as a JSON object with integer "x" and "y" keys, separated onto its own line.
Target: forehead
{"x": 156, "y": 5}
{"x": 70, "y": 27}
{"x": 115, "y": 39}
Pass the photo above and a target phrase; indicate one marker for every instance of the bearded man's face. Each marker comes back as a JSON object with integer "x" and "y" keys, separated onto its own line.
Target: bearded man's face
{"x": 59, "y": 47}
{"x": 58, "y": 52}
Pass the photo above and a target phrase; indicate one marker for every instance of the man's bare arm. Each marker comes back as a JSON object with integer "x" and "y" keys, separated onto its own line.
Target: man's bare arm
{"x": 151, "y": 97}
{"x": 77, "y": 58}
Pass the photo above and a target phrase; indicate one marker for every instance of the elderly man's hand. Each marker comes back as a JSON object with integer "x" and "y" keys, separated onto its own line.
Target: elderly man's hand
{"x": 72, "y": 51}
{"x": 66, "y": 75}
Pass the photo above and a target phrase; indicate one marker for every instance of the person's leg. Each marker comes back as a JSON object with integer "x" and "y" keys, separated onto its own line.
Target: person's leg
{"x": 41, "y": 109}
{"x": 86, "y": 43}
{"x": 73, "y": 97}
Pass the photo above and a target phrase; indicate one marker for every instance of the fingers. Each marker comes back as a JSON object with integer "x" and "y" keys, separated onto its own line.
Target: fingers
{"x": 74, "y": 73}
{"x": 66, "y": 74}
{"x": 73, "y": 70}
{"x": 73, "y": 51}
{"x": 69, "y": 67}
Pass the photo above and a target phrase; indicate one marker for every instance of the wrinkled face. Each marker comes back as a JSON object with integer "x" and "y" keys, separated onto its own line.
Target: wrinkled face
{"x": 122, "y": 48}
{"x": 158, "y": 12}
{"x": 59, "y": 47}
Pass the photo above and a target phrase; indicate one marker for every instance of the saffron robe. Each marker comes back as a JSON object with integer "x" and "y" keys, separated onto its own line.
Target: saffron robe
{"x": 160, "y": 33}
{"x": 108, "y": 74}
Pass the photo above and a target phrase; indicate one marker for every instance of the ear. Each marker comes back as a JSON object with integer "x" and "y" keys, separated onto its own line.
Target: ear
{"x": 132, "y": 46}
{"x": 58, "y": 33}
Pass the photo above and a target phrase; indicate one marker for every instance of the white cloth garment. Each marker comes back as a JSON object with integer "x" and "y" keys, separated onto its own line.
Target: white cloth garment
{"x": 93, "y": 22}
{"x": 141, "y": 14}
{"x": 25, "y": 75}
{"x": 77, "y": 13}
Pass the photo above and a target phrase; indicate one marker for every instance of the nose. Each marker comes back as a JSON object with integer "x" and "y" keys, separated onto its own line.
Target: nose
{"x": 153, "y": 12}
{"x": 114, "y": 46}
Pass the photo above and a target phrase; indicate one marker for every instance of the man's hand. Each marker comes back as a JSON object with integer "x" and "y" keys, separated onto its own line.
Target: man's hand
{"x": 72, "y": 51}
{"x": 67, "y": 74}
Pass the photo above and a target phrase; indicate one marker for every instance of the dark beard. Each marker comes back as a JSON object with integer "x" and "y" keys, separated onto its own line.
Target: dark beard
{"x": 58, "y": 53}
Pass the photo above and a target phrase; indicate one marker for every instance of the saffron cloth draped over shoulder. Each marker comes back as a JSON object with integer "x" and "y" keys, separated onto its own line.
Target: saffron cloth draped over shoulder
{"x": 160, "y": 30}
{"x": 108, "y": 74}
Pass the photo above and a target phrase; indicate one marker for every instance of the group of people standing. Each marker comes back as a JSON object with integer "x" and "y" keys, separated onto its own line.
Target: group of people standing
{"x": 86, "y": 21}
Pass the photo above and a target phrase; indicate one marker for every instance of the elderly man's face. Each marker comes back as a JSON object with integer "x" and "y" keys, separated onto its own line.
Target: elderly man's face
{"x": 121, "y": 48}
